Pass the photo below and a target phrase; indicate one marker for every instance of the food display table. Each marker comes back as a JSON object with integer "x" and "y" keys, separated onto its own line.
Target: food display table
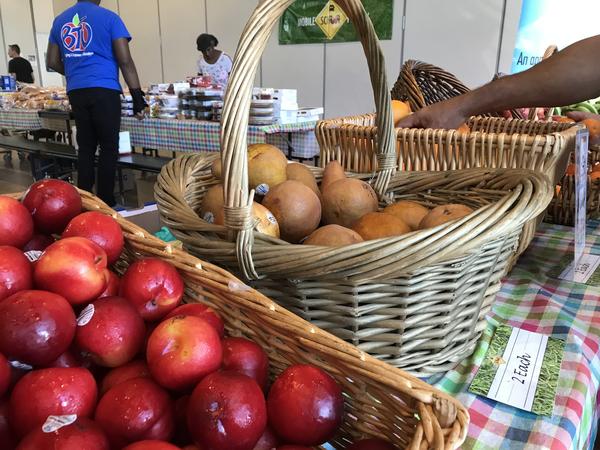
{"x": 297, "y": 139}
{"x": 198, "y": 135}
{"x": 533, "y": 300}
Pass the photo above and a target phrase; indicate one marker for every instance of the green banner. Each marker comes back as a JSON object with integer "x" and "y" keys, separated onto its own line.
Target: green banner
{"x": 319, "y": 21}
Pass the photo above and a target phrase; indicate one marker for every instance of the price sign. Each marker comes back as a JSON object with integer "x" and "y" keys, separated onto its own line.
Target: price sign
{"x": 581, "y": 182}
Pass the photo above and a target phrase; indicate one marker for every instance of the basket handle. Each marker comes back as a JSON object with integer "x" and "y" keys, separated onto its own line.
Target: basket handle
{"x": 236, "y": 111}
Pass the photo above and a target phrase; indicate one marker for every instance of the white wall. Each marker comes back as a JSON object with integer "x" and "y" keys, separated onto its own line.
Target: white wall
{"x": 18, "y": 29}
{"x": 471, "y": 38}
{"x": 179, "y": 32}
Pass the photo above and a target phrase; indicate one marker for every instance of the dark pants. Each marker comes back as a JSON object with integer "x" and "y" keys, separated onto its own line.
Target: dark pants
{"x": 98, "y": 118}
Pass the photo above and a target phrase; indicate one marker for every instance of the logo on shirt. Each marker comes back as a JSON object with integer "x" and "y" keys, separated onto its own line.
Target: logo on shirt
{"x": 77, "y": 34}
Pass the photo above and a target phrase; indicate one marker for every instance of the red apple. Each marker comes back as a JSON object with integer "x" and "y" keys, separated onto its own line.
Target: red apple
{"x": 111, "y": 331}
{"x": 136, "y": 410}
{"x": 38, "y": 243}
{"x": 51, "y": 392}
{"x": 182, "y": 434}
{"x": 201, "y": 311}
{"x": 134, "y": 369}
{"x": 151, "y": 445}
{"x": 182, "y": 351}
{"x": 8, "y": 440}
{"x": 246, "y": 357}
{"x": 101, "y": 229}
{"x": 113, "y": 283}
{"x": 372, "y": 444}
{"x": 37, "y": 327}
{"x": 227, "y": 411}
{"x": 5, "y": 375}
{"x": 268, "y": 441}
{"x": 153, "y": 286}
{"x": 15, "y": 272}
{"x": 80, "y": 435}
{"x": 16, "y": 224}
{"x": 52, "y": 203}
{"x": 73, "y": 268}
{"x": 294, "y": 447}
{"x": 68, "y": 360}
{"x": 305, "y": 406}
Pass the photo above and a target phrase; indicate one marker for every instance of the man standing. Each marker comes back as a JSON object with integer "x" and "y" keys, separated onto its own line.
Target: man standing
{"x": 19, "y": 67}
{"x": 88, "y": 44}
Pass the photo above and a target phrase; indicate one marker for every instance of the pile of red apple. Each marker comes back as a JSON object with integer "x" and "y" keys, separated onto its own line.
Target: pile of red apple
{"x": 92, "y": 361}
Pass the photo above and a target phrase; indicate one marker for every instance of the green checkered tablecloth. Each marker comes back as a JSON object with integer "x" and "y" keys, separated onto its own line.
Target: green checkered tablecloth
{"x": 533, "y": 300}
{"x": 203, "y": 136}
{"x": 20, "y": 119}
{"x": 187, "y": 135}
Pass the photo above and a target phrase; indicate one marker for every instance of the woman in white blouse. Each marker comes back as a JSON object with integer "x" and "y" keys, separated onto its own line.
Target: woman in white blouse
{"x": 213, "y": 62}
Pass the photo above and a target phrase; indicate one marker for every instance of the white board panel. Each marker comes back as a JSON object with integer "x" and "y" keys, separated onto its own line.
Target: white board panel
{"x": 226, "y": 21}
{"x": 461, "y": 36}
{"x": 298, "y": 67}
{"x": 144, "y": 29}
{"x": 18, "y": 29}
{"x": 348, "y": 88}
{"x": 179, "y": 32}
{"x": 509, "y": 35}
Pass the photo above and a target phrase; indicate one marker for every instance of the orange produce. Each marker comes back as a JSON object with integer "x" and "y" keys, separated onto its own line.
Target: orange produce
{"x": 301, "y": 173}
{"x": 333, "y": 236}
{"x": 464, "y": 128}
{"x": 595, "y": 176}
{"x": 296, "y": 208}
{"x": 593, "y": 126}
{"x": 596, "y": 167}
{"x": 267, "y": 167}
{"x": 378, "y": 225}
{"x": 410, "y": 212}
{"x": 444, "y": 214}
{"x": 347, "y": 200}
{"x": 400, "y": 110}
{"x": 571, "y": 168}
{"x": 212, "y": 205}
{"x": 333, "y": 172}
{"x": 562, "y": 119}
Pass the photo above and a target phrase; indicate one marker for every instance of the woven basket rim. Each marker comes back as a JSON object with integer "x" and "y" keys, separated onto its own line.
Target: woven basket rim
{"x": 389, "y": 377}
{"x": 446, "y": 234}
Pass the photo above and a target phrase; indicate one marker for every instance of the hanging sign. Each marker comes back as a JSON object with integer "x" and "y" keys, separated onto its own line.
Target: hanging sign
{"x": 319, "y": 21}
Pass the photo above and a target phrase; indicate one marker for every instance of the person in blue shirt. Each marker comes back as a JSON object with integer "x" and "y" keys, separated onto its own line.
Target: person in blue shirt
{"x": 88, "y": 45}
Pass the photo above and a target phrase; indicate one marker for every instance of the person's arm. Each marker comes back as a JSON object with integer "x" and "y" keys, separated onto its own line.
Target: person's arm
{"x": 570, "y": 76}
{"x": 53, "y": 59}
{"x": 127, "y": 66}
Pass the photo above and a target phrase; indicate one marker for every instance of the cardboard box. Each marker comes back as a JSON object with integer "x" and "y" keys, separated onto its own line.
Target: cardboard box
{"x": 147, "y": 217}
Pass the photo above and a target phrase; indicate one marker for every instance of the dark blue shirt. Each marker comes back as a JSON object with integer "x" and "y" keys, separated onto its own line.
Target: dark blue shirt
{"x": 85, "y": 33}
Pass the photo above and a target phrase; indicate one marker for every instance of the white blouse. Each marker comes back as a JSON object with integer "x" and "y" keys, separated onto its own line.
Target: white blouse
{"x": 219, "y": 71}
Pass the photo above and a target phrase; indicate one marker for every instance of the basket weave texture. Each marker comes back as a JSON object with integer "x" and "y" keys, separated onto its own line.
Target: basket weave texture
{"x": 416, "y": 301}
{"x": 380, "y": 401}
{"x": 423, "y": 84}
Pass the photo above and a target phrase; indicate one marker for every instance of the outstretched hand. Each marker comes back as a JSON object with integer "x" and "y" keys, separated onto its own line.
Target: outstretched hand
{"x": 444, "y": 115}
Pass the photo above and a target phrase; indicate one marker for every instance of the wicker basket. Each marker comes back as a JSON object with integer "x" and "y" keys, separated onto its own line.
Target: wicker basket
{"x": 423, "y": 84}
{"x": 380, "y": 401}
{"x": 562, "y": 208}
{"x": 417, "y": 301}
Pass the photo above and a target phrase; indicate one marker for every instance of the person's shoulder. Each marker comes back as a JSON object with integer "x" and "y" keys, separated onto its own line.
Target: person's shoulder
{"x": 226, "y": 57}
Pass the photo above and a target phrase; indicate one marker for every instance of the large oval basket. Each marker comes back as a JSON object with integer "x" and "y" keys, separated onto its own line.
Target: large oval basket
{"x": 380, "y": 401}
{"x": 417, "y": 301}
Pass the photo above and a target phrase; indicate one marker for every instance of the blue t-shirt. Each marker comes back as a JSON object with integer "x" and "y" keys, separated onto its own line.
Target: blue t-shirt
{"x": 85, "y": 33}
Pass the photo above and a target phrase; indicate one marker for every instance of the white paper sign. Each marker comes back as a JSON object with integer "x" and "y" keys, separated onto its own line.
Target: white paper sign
{"x": 587, "y": 266}
{"x": 516, "y": 381}
{"x": 581, "y": 181}
{"x": 124, "y": 143}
